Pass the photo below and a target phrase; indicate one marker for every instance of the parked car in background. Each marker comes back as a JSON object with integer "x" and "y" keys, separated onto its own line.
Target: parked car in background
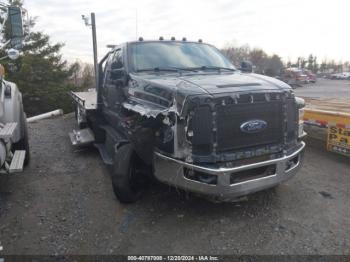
{"x": 345, "y": 76}
{"x": 294, "y": 76}
{"x": 340, "y": 76}
{"x": 311, "y": 77}
{"x": 334, "y": 76}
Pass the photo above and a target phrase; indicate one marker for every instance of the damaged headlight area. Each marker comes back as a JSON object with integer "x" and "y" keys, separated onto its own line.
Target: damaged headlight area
{"x": 301, "y": 110}
{"x": 301, "y": 123}
{"x": 164, "y": 138}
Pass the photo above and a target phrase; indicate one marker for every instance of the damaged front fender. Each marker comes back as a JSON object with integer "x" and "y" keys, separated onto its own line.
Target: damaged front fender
{"x": 163, "y": 103}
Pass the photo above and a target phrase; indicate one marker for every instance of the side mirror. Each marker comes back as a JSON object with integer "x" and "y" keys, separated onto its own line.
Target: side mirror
{"x": 118, "y": 73}
{"x": 119, "y": 76}
{"x": 246, "y": 67}
{"x": 116, "y": 65}
{"x": 15, "y": 24}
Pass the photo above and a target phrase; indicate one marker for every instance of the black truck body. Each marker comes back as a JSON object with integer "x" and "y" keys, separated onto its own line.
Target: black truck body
{"x": 198, "y": 124}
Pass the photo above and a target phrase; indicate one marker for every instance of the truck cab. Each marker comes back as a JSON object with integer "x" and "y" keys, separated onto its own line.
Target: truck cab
{"x": 180, "y": 111}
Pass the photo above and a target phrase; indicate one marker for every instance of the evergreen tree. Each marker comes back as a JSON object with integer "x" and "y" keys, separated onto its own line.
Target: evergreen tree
{"x": 41, "y": 74}
{"x": 310, "y": 62}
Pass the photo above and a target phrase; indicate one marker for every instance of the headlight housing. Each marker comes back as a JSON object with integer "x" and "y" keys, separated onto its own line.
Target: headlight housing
{"x": 301, "y": 123}
{"x": 301, "y": 110}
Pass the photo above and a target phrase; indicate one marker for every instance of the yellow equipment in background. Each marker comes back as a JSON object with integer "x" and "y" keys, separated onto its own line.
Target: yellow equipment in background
{"x": 333, "y": 115}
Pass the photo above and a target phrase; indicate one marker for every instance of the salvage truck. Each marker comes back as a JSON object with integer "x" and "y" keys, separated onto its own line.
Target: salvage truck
{"x": 182, "y": 113}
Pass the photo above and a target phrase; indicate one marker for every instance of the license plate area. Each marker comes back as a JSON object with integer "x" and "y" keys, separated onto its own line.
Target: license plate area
{"x": 251, "y": 174}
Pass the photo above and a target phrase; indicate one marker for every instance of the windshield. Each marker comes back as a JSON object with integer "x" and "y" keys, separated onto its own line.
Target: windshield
{"x": 151, "y": 55}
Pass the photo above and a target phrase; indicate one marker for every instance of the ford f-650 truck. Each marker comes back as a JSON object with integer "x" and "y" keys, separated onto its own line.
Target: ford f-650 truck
{"x": 181, "y": 111}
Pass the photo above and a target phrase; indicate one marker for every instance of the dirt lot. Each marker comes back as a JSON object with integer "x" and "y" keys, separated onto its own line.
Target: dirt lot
{"x": 63, "y": 204}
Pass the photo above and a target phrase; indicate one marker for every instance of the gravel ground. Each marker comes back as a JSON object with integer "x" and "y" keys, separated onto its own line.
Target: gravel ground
{"x": 63, "y": 204}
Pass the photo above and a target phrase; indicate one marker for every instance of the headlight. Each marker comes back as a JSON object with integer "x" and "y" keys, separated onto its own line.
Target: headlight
{"x": 301, "y": 123}
{"x": 300, "y": 105}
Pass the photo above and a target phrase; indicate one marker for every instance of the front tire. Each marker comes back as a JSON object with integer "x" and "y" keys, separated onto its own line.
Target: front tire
{"x": 128, "y": 178}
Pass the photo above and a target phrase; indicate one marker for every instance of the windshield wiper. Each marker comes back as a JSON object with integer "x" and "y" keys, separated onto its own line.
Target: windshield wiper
{"x": 158, "y": 69}
{"x": 179, "y": 69}
{"x": 184, "y": 68}
{"x": 169, "y": 68}
{"x": 219, "y": 68}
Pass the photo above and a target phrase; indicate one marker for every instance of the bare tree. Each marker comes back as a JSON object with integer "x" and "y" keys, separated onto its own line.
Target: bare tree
{"x": 263, "y": 63}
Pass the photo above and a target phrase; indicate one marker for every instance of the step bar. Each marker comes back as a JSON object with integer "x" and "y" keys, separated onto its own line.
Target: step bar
{"x": 17, "y": 161}
{"x": 82, "y": 137}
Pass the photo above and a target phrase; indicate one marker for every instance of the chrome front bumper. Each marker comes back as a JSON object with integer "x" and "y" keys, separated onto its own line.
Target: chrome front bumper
{"x": 172, "y": 171}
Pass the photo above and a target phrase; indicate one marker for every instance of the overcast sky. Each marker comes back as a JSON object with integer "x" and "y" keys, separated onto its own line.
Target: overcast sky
{"x": 288, "y": 28}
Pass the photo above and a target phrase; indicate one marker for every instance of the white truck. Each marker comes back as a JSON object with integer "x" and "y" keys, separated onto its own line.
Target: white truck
{"x": 14, "y": 145}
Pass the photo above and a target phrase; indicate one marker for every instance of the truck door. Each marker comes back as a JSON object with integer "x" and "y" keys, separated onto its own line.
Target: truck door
{"x": 105, "y": 83}
{"x": 112, "y": 95}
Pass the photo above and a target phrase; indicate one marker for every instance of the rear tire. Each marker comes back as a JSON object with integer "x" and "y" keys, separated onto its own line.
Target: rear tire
{"x": 23, "y": 143}
{"x": 128, "y": 180}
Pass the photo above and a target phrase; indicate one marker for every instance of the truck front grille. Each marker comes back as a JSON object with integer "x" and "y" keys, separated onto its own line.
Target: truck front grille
{"x": 216, "y": 125}
{"x": 202, "y": 141}
{"x": 231, "y": 117}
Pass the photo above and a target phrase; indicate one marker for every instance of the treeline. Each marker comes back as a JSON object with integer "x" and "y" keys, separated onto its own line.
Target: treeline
{"x": 325, "y": 66}
{"x": 272, "y": 65}
{"x": 45, "y": 78}
{"x": 83, "y": 76}
{"x": 42, "y": 75}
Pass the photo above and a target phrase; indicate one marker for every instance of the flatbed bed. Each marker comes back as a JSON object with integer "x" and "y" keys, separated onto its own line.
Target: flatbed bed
{"x": 87, "y": 99}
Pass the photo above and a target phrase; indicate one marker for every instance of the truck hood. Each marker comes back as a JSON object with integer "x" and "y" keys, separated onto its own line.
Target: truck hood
{"x": 215, "y": 83}
{"x": 236, "y": 82}
{"x": 157, "y": 92}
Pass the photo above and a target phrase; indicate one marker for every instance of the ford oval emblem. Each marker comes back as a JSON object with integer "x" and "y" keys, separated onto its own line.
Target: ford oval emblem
{"x": 253, "y": 126}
